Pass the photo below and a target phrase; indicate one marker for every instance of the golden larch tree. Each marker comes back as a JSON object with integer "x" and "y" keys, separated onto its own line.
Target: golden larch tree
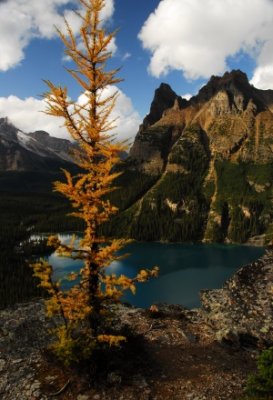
{"x": 85, "y": 307}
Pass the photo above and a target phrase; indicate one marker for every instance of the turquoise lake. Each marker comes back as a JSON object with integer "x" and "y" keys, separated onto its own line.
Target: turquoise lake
{"x": 185, "y": 269}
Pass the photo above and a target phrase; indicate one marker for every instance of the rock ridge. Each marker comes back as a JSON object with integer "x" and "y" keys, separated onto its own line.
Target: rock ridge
{"x": 243, "y": 308}
{"x": 20, "y": 151}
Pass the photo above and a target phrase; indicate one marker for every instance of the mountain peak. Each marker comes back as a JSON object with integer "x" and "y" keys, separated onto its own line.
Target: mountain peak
{"x": 164, "y": 98}
{"x": 236, "y": 75}
{"x": 30, "y": 151}
{"x": 5, "y": 122}
{"x": 204, "y": 170}
{"x": 40, "y": 134}
{"x": 235, "y": 79}
{"x": 7, "y": 129}
{"x": 232, "y": 82}
{"x": 164, "y": 87}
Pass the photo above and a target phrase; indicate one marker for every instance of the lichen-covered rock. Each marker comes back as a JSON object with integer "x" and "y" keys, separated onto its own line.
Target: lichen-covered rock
{"x": 23, "y": 333}
{"x": 242, "y": 311}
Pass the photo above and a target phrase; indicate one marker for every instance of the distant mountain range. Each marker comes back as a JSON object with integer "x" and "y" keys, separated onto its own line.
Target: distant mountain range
{"x": 20, "y": 151}
{"x": 201, "y": 169}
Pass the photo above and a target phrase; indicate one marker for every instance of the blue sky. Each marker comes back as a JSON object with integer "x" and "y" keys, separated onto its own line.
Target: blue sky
{"x": 181, "y": 42}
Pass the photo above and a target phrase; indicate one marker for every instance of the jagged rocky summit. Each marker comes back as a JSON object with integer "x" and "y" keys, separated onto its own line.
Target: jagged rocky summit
{"x": 202, "y": 169}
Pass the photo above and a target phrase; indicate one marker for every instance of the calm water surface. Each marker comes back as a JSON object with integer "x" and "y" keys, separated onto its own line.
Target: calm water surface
{"x": 185, "y": 269}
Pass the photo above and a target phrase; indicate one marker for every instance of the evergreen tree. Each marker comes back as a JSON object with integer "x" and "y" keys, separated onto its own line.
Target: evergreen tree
{"x": 85, "y": 307}
{"x": 261, "y": 384}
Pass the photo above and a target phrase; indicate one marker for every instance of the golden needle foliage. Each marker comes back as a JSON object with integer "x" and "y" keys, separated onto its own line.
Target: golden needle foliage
{"x": 85, "y": 307}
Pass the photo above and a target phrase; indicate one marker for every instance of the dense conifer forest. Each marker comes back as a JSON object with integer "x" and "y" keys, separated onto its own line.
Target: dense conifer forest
{"x": 27, "y": 206}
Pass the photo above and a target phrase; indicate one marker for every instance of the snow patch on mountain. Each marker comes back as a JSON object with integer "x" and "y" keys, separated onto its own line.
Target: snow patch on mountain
{"x": 26, "y": 147}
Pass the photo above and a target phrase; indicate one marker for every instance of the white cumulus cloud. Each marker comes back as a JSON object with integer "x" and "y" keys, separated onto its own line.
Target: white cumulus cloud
{"x": 263, "y": 74}
{"x": 23, "y": 20}
{"x": 198, "y": 36}
{"x": 26, "y": 114}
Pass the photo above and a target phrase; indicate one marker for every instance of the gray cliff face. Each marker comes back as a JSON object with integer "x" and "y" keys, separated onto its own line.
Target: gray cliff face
{"x": 15, "y": 158}
{"x": 7, "y": 130}
{"x": 20, "y": 151}
{"x": 59, "y": 147}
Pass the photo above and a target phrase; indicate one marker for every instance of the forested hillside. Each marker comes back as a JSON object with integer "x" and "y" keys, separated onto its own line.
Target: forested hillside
{"x": 201, "y": 169}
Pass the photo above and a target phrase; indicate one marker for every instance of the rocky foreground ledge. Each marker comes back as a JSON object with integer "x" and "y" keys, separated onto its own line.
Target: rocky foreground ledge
{"x": 175, "y": 353}
{"x": 243, "y": 309}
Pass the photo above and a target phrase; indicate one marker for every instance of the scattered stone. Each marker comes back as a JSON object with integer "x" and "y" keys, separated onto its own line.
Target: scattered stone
{"x": 20, "y": 360}
{"x": 36, "y": 393}
{"x": 84, "y": 397}
{"x": 50, "y": 378}
{"x": 35, "y": 385}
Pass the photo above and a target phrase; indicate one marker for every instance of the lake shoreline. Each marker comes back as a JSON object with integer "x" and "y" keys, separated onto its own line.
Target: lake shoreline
{"x": 185, "y": 269}
{"x": 257, "y": 241}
